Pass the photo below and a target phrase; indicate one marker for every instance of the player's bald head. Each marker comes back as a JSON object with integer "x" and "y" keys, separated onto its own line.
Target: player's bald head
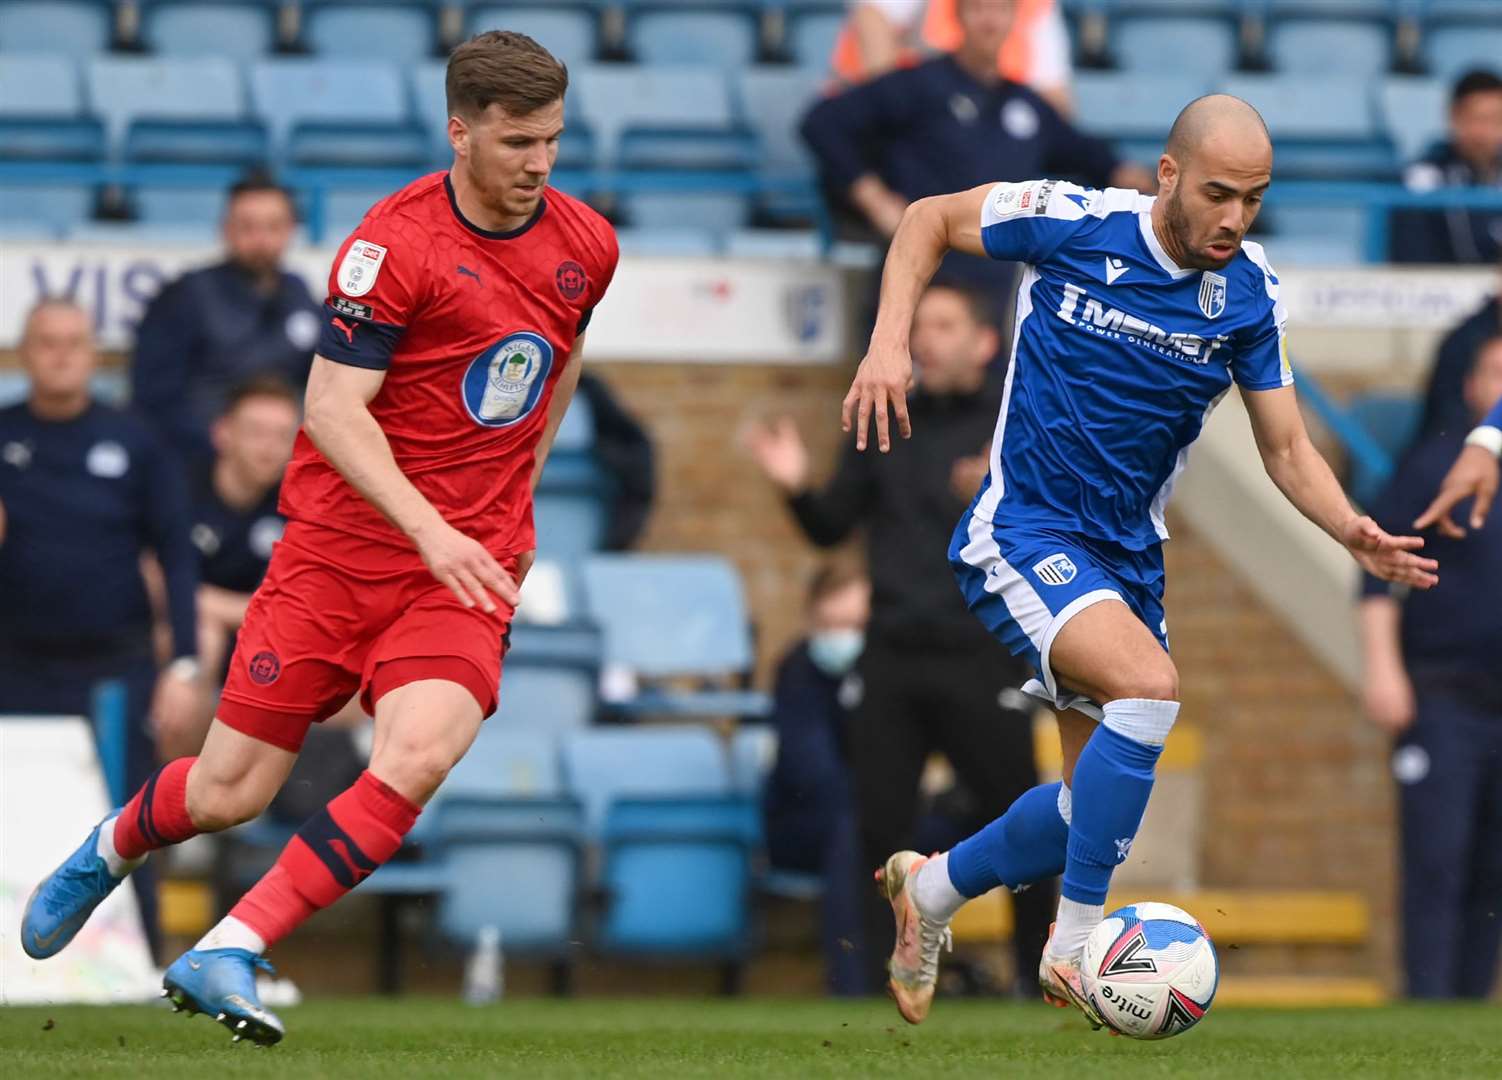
{"x": 1217, "y": 127}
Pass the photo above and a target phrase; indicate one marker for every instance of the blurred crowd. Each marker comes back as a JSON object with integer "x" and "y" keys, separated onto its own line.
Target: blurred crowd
{"x": 131, "y": 541}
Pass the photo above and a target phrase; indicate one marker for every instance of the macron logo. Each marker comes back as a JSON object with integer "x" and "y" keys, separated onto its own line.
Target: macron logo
{"x": 1114, "y": 269}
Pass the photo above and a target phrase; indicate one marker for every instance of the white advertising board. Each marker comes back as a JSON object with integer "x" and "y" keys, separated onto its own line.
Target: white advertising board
{"x": 709, "y": 310}
{"x": 52, "y": 794}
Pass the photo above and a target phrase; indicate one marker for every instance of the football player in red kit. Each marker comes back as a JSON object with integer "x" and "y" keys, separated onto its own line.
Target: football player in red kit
{"x": 453, "y": 330}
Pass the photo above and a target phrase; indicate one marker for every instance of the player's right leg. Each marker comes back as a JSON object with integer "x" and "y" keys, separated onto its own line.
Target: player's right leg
{"x": 231, "y": 780}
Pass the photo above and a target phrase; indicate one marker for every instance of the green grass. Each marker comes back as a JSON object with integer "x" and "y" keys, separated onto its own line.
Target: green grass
{"x": 373, "y": 1039}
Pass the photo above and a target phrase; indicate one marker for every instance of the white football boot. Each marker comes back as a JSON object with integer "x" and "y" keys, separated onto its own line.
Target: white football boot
{"x": 914, "y": 967}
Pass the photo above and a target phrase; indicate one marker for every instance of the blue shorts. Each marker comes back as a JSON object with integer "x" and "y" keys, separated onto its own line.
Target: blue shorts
{"x": 1026, "y": 583}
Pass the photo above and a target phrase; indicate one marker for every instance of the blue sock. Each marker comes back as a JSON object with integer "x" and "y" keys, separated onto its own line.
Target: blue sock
{"x": 1024, "y": 845}
{"x": 1112, "y": 781}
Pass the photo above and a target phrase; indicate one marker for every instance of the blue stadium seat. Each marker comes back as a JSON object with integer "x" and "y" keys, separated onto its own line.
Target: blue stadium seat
{"x": 1338, "y": 138}
{"x": 1415, "y": 112}
{"x": 536, "y": 698}
{"x": 753, "y": 752}
{"x": 337, "y": 112}
{"x": 663, "y": 117}
{"x": 1330, "y": 47}
{"x": 399, "y": 33}
{"x": 145, "y": 234}
{"x": 670, "y": 615}
{"x": 682, "y": 243}
{"x": 678, "y": 877}
{"x": 507, "y": 762}
{"x": 77, "y": 28}
{"x": 1390, "y": 419}
{"x": 41, "y": 111}
{"x": 773, "y": 101}
{"x": 811, "y": 38}
{"x": 1452, "y": 50}
{"x": 1186, "y": 46}
{"x": 665, "y": 213}
{"x": 175, "y": 109}
{"x": 576, "y": 433}
{"x": 173, "y": 205}
{"x": 602, "y": 765}
{"x": 1133, "y": 106}
{"x": 1316, "y": 235}
{"x": 344, "y": 207}
{"x": 725, "y": 38}
{"x": 1472, "y": 12}
{"x": 569, "y": 525}
{"x": 569, "y": 33}
{"x": 55, "y": 206}
{"x": 785, "y": 245}
{"x": 239, "y": 31}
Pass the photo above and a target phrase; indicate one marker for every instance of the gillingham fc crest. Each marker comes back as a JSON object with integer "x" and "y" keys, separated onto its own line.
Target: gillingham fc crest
{"x": 1212, "y": 294}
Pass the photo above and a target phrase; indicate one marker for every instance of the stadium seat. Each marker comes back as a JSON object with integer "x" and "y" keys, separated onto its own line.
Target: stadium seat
{"x": 77, "y": 28}
{"x": 670, "y": 213}
{"x": 811, "y": 37}
{"x": 1391, "y": 420}
{"x": 683, "y": 243}
{"x": 773, "y": 101}
{"x": 145, "y": 234}
{"x": 1415, "y": 112}
{"x": 1139, "y": 105}
{"x": 399, "y": 33}
{"x": 534, "y": 698}
{"x": 725, "y": 38}
{"x": 1330, "y": 47}
{"x": 569, "y": 525}
{"x": 343, "y": 208}
{"x": 1339, "y": 138}
{"x": 507, "y": 762}
{"x": 678, "y": 877}
{"x": 663, "y": 117}
{"x": 786, "y": 245}
{"x": 569, "y": 33}
{"x": 1186, "y": 46}
{"x": 337, "y": 112}
{"x": 195, "y": 28}
{"x": 753, "y": 752}
{"x": 55, "y": 206}
{"x": 175, "y": 109}
{"x": 41, "y": 111}
{"x": 601, "y": 765}
{"x": 576, "y": 432}
{"x": 1315, "y": 235}
{"x": 1453, "y": 50}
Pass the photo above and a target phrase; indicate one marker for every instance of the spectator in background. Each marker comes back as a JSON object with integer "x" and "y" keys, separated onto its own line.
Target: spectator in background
{"x": 623, "y": 449}
{"x": 88, "y": 492}
{"x": 214, "y": 328}
{"x": 1470, "y": 158}
{"x": 931, "y": 677}
{"x": 808, "y": 804}
{"x": 881, "y": 35}
{"x": 1445, "y": 408}
{"x": 1433, "y": 684}
{"x": 949, "y": 124}
{"x": 235, "y": 518}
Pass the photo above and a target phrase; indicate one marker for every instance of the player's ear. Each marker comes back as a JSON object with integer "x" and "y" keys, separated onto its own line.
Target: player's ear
{"x": 1168, "y": 173}
{"x": 459, "y": 136}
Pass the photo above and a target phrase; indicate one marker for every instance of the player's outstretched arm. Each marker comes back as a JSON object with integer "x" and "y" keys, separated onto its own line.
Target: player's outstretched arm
{"x": 1304, "y": 477}
{"x": 929, "y": 228}
{"x": 336, "y": 416}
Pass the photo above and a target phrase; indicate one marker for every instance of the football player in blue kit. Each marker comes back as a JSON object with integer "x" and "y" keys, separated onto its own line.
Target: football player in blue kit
{"x": 1135, "y": 315}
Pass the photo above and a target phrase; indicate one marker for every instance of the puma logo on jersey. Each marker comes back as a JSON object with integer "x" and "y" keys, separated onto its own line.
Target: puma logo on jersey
{"x": 348, "y": 328}
{"x": 465, "y": 271}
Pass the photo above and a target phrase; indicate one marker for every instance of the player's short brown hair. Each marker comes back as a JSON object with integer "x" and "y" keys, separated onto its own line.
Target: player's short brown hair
{"x": 503, "y": 68}
{"x": 834, "y": 576}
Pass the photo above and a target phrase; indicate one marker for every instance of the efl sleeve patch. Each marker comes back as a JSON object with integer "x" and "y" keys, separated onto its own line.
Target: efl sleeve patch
{"x": 360, "y": 267}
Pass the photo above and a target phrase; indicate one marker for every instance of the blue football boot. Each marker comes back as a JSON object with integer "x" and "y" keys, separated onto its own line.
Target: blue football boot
{"x": 65, "y": 899}
{"x": 222, "y": 983}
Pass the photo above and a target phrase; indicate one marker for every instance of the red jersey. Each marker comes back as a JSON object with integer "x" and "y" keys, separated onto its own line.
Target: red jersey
{"x": 473, "y": 329}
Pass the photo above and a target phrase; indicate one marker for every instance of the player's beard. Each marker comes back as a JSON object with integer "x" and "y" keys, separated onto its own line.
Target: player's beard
{"x": 1182, "y": 231}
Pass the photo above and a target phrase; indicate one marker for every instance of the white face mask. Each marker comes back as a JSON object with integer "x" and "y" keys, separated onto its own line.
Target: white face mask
{"x": 834, "y": 652}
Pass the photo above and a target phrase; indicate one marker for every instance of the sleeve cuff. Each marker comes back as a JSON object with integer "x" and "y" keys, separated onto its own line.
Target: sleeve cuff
{"x": 359, "y": 342}
{"x": 1488, "y": 437}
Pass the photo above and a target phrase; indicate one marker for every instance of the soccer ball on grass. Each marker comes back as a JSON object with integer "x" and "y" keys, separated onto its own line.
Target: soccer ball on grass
{"x": 1150, "y": 970}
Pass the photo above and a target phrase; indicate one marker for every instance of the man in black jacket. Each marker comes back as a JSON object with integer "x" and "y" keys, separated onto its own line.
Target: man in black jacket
{"x": 1445, "y": 409}
{"x": 931, "y": 678}
{"x": 213, "y": 329}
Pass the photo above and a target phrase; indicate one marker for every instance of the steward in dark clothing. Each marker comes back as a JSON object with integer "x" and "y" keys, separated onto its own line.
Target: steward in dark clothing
{"x": 1444, "y": 404}
{"x": 1456, "y": 235}
{"x": 207, "y": 333}
{"x": 624, "y": 451}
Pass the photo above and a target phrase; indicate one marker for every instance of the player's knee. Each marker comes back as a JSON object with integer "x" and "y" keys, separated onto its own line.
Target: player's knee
{"x": 1153, "y": 682}
{"x": 413, "y": 771}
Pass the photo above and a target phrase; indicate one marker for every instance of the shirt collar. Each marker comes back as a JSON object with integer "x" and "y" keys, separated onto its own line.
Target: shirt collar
{"x": 1150, "y": 238}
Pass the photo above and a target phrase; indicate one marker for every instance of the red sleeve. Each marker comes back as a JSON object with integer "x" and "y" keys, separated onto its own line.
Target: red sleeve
{"x": 375, "y": 289}
{"x": 607, "y": 257}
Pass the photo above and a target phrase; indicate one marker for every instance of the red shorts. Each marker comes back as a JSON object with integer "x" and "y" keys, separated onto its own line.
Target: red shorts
{"x": 339, "y": 613}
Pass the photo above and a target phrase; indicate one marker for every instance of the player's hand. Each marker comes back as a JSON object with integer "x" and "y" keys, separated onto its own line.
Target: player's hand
{"x": 778, "y": 449}
{"x": 464, "y": 566}
{"x": 881, "y": 382}
{"x": 1475, "y": 473}
{"x": 1387, "y": 695}
{"x": 1390, "y": 558}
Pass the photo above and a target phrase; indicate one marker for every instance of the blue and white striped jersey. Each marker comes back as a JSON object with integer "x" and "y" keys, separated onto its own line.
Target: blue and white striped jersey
{"x": 1119, "y": 356}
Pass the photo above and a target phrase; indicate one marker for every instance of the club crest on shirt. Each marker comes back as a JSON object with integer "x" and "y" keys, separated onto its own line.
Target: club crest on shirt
{"x": 107, "y": 459}
{"x": 570, "y": 279}
{"x": 1056, "y": 570}
{"x": 503, "y": 384}
{"x": 1212, "y": 294}
{"x": 360, "y": 267}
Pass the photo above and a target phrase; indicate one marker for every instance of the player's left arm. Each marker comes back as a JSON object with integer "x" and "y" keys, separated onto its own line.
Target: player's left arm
{"x": 1305, "y": 479}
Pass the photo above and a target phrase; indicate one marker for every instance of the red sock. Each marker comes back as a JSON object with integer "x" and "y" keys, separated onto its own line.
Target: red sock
{"x": 338, "y": 848}
{"x": 158, "y": 814}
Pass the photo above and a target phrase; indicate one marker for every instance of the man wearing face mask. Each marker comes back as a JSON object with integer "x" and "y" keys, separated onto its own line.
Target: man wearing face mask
{"x": 929, "y": 678}
{"x": 808, "y": 810}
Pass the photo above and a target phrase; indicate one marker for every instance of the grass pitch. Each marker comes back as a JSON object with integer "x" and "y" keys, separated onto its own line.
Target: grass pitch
{"x": 373, "y": 1039}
